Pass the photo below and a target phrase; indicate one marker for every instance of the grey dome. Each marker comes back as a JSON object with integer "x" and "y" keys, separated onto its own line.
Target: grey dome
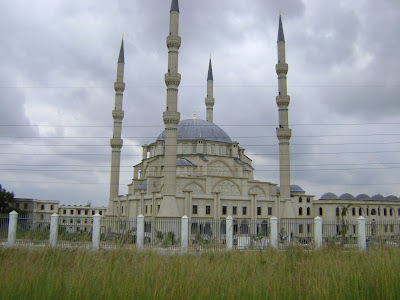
{"x": 293, "y": 188}
{"x": 184, "y": 162}
{"x": 329, "y": 196}
{"x": 378, "y": 197}
{"x": 346, "y": 196}
{"x": 392, "y": 198}
{"x": 196, "y": 129}
{"x": 363, "y": 197}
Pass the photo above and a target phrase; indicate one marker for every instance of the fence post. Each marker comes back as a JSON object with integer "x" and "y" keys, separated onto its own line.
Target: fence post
{"x": 54, "y": 229}
{"x": 12, "y": 228}
{"x": 361, "y": 236}
{"x": 96, "y": 232}
{"x": 229, "y": 233}
{"x": 274, "y": 232}
{"x": 317, "y": 232}
{"x": 140, "y": 232}
{"x": 184, "y": 234}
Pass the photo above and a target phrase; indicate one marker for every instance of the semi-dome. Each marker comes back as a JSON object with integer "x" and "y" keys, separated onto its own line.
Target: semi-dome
{"x": 196, "y": 129}
{"x": 363, "y": 197}
{"x": 378, "y": 197}
{"x": 329, "y": 196}
{"x": 346, "y": 196}
{"x": 293, "y": 189}
{"x": 392, "y": 198}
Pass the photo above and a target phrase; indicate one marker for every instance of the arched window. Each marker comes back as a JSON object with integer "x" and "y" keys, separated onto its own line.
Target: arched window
{"x": 308, "y": 199}
{"x": 353, "y": 211}
{"x": 224, "y": 208}
{"x": 360, "y": 211}
{"x": 208, "y": 208}
{"x": 308, "y": 211}
{"x": 337, "y": 211}
{"x": 244, "y": 209}
{"x": 391, "y": 212}
{"x": 300, "y": 211}
{"x": 300, "y": 199}
{"x": 373, "y": 212}
{"x": 385, "y": 211}
{"x": 219, "y": 168}
{"x": 234, "y": 209}
{"x": 227, "y": 188}
{"x": 320, "y": 211}
{"x": 194, "y": 207}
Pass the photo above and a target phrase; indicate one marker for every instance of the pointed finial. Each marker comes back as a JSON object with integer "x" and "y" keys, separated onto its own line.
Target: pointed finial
{"x": 281, "y": 36}
{"x": 194, "y": 114}
{"x": 210, "y": 72}
{"x": 121, "y": 58}
{"x": 174, "y": 5}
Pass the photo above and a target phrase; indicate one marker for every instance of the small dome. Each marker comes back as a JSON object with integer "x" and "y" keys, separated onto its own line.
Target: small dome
{"x": 392, "y": 198}
{"x": 346, "y": 196}
{"x": 293, "y": 189}
{"x": 363, "y": 197}
{"x": 378, "y": 197}
{"x": 196, "y": 129}
{"x": 329, "y": 196}
{"x": 184, "y": 162}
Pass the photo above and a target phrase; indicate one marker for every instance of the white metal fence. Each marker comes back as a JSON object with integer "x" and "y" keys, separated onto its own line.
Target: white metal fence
{"x": 195, "y": 235}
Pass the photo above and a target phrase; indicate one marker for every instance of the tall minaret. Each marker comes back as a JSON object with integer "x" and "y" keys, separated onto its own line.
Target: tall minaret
{"x": 283, "y": 132}
{"x": 116, "y": 141}
{"x": 210, "y": 94}
{"x": 171, "y": 117}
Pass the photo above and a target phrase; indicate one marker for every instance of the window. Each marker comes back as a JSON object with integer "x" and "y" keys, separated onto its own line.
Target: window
{"x": 386, "y": 228}
{"x": 100, "y": 212}
{"x": 398, "y": 211}
{"x": 269, "y": 210}
{"x": 373, "y": 212}
{"x": 193, "y": 148}
{"x": 78, "y": 221}
{"x": 208, "y": 209}
{"x": 234, "y": 209}
{"x": 300, "y": 199}
{"x": 93, "y": 212}
{"x": 64, "y": 221}
{"x": 17, "y": 205}
{"x": 360, "y": 211}
{"x": 308, "y": 199}
{"x": 145, "y": 211}
{"x": 86, "y": 212}
{"x": 184, "y": 148}
{"x": 337, "y": 212}
{"x": 367, "y": 211}
{"x": 220, "y": 150}
{"x": 158, "y": 207}
{"x": 244, "y": 210}
{"x": 384, "y": 211}
{"x": 79, "y": 211}
{"x": 300, "y": 211}
{"x": 301, "y": 228}
{"x": 42, "y": 207}
{"x": 353, "y": 211}
{"x": 85, "y": 221}
{"x": 391, "y": 212}
{"x": 212, "y": 149}
{"x": 379, "y": 211}
{"x": 321, "y": 211}
{"x": 259, "y": 211}
{"x": 71, "y": 212}
{"x": 308, "y": 211}
{"x": 25, "y": 205}
{"x": 71, "y": 221}
{"x": 51, "y": 207}
{"x": 194, "y": 209}
{"x": 244, "y": 227}
{"x": 224, "y": 208}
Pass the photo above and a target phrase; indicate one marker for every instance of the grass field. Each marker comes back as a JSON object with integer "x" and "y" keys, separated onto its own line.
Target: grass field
{"x": 292, "y": 274}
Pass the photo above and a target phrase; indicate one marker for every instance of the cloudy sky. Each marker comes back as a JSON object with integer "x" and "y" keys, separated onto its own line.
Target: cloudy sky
{"x": 58, "y": 65}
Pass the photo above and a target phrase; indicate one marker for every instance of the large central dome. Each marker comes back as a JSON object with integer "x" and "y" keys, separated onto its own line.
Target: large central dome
{"x": 195, "y": 129}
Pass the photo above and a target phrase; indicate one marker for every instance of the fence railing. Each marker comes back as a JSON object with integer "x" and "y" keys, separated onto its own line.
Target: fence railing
{"x": 194, "y": 235}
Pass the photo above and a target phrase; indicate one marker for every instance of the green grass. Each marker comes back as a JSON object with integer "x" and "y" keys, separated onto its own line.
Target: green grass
{"x": 292, "y": 274}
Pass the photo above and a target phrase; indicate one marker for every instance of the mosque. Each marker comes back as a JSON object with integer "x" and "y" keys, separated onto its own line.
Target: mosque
{"x": 194, "y": 168}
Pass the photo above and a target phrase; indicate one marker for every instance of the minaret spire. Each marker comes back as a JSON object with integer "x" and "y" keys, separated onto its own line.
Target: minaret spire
{"x": 116, "y": 142}
{"x": 283, "y": 132}
{"x": 171, "y": 117}
{"x": 210, "y": 94}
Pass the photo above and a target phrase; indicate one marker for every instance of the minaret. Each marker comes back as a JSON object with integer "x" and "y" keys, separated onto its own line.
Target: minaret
{"x": 283, "y": 132}
{"x": 116, "y": 141}
{"x": 210, "y": 94}
{"x": 171, "y": 117}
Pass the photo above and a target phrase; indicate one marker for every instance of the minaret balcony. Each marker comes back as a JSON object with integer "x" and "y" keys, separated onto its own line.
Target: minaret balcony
{"x": 210, "y": 101}
{"x": 282, "y": 68}
{"x": 116, "y": 143}
{"x": 172, "y": 79}
{"x": 119, "y": 86}
{"x": 118, "y": 114}
{"x": 283, "y": 133}
{"x": 171, "y": 117}
{"x": 282, "y": 100}
{"x": 173, "y": 41}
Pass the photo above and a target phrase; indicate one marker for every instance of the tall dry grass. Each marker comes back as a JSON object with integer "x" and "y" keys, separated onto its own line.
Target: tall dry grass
{"x": 292, "y": 274}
